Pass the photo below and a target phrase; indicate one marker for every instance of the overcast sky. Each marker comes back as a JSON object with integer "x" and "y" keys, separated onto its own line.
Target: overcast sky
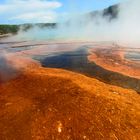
{"x": 36, "y": 11}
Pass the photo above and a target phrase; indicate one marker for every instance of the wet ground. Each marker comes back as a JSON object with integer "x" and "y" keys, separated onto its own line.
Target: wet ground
{"x": 77, "y": 61}
{"x": 54, "y": 104}
{"x": 49, "y": 104}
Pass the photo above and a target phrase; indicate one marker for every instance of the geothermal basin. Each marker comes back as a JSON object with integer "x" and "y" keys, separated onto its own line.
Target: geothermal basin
{"x": 68, "y": 90}
{"x": 117, "y": 65}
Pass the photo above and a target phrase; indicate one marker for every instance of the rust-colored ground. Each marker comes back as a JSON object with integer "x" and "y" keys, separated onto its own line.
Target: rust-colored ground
{"x": 112, "y": 58}
{"x": 52, "y": 104}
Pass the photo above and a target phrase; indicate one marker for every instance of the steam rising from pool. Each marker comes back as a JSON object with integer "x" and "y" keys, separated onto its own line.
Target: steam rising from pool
{"x": 124, "y": 28}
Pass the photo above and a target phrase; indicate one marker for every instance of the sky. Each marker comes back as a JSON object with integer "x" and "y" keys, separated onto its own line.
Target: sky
{"x": 47, "y": 11}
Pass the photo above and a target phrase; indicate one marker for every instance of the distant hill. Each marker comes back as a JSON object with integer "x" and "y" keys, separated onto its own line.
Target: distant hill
{"x": 109, "y": 13}
{"x": 112, "y": 11}
{"x": 4, "y": 29}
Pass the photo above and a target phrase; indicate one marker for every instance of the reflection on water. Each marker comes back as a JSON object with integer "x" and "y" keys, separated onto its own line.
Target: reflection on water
{"x": 77, "y": 61}
{"x": 18, "y": 49}
{"x": 135, "y": 56}
{"x": 9, "y": 46}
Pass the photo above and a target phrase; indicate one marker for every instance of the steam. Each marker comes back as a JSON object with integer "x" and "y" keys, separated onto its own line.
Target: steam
{"x": 7, "y": 70}
{"x": 129, "y": 22}
{"x": 124, "y": 28}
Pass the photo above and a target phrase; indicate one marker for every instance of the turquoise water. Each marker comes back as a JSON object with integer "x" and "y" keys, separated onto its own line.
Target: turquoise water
{"x": 37, "y": 34}
{"x": 60, "y": 33}
{"x": 135, "y": 56}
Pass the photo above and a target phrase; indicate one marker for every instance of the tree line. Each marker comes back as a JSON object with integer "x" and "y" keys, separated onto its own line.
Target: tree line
{"x": 5, "y": 29}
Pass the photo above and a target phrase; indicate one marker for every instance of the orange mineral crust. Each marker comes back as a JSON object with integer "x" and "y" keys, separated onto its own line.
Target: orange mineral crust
{"x": 112, "y": 58}
{"x": 55, "y": 104}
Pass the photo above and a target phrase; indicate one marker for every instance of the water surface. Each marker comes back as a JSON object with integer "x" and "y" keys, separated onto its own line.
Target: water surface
{"x": 134, "y": 56}
{"x": 77, "y": 61}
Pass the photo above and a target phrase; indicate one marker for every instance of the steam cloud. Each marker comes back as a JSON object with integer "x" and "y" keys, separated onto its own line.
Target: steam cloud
{"x": 124, "y": 28}
{"x": 7, "y": 70}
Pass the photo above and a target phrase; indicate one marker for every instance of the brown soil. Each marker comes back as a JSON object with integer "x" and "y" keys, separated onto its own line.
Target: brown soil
{"x": 52, "y": 104}
{"x": 112, "y": 58}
